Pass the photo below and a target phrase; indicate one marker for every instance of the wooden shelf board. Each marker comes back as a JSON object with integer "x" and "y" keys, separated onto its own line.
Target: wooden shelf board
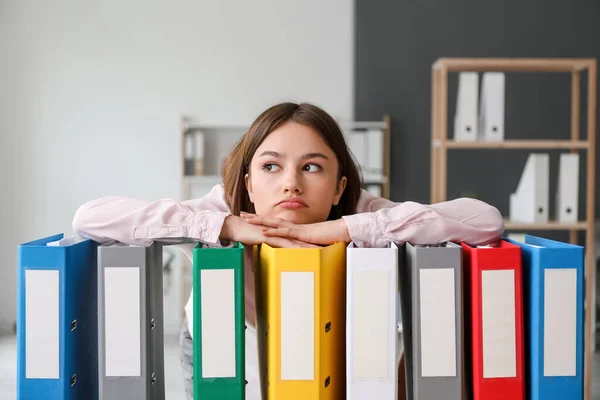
{"x": 513, "y": 144}
{"x": 513, "y": 64}
{"x": 202, "y": 179}
{"x": 374, "y": 179}
{"x": 551, "y": 225}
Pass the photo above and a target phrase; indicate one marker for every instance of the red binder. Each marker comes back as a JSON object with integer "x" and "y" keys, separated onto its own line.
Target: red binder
{"x": 494, "y": 320}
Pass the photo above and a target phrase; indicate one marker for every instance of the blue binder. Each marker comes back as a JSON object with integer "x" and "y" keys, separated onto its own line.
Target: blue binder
{"x": 57, "y": 345}
{"x": 553, "y": 289}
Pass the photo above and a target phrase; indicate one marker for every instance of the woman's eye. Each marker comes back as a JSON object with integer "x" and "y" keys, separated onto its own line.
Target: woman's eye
{"x": 271, "y": 167}
{"x": 312, "y": 168}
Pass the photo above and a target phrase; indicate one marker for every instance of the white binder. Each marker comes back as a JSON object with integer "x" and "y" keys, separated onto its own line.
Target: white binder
{"x": 567, "y": 188}
{"x": 529, "y": 203}
{"x": 374, "y": 153}
{"x": 491, "y": 112}
{"x": 465, "y": 119}
{"x": 372, "y": 323}
{"x": 375, "y": 190}
{"x": 357, "y": 142}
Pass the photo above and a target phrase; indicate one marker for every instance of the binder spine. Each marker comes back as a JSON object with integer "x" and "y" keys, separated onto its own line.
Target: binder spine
{"x": 496, "y": 297}
{"x": 219, "y": 323}
{"x": 553, "y": 298}
{"x": 123, "y": 321}
{"x": 437, "y": 334}
{"x": 304, "y": 348}
{"x": 371, "y": 323}
{"x": 156, "y": 324}
{"x": 41, "y": 367}
{"x": 56, "y": 357}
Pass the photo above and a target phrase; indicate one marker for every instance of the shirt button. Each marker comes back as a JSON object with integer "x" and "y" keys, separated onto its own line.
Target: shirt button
{"x": 203, "y": 235}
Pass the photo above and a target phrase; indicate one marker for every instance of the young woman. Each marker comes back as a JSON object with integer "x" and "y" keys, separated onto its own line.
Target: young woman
{"x": 290, "y": 181}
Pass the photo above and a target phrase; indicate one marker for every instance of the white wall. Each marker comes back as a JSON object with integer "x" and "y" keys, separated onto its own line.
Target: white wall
{"x": 91, "y": 95}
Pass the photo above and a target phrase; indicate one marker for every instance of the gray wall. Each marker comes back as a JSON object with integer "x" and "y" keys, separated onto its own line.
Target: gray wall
{"x": 396, "y": 43}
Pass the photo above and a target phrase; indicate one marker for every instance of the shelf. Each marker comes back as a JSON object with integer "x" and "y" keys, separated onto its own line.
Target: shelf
{"x": 351, "y": 125}
{"x": 548, "y": 226}
{"x": 578, "y": 69}
{"x": 513, "y": 144}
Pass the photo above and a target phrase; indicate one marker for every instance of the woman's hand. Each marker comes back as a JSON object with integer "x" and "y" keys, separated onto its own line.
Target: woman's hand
{"x": 237, "y": 229}
{"x": 322, "y": 233}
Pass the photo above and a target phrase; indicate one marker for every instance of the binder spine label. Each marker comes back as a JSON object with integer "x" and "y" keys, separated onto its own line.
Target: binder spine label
{"x": 122, "y": 321}
{"x": 42, "y": 334}
{"x": 560, "y": 322}
{"x": 370, "y": 325}
{"x": 438, "y": 320}
{"x": 297, "y": 325}
{"x": 498, "y": 320}
{"x": 218, "y": 323}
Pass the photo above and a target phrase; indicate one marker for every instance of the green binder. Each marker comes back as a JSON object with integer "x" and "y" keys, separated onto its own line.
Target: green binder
{"x": 219, "y": 323}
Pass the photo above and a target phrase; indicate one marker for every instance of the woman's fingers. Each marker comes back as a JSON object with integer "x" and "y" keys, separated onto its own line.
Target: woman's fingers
{"x": 284, "y": 242}
{"x": 266, "y": 221}
{"x": 282, "y": 232}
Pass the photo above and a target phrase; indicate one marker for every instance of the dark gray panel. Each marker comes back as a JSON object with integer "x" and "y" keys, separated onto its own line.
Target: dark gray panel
{"x": 396, "y": 43}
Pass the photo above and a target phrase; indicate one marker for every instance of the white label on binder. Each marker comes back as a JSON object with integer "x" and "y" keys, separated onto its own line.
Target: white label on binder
{"x": 218, "y": 323}
{"x": 371, "y": 323}
{"x": 42, "y": 324}
{"x": 499, "y": 335}
{"x": 560, "y": 322}
{"x": 438, "y": 323}
{"x": 297, "y": 326}
{"x": 122, "y": 317}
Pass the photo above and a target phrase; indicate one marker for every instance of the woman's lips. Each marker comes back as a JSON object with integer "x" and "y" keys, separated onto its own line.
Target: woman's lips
{"x": 292, "y": 203}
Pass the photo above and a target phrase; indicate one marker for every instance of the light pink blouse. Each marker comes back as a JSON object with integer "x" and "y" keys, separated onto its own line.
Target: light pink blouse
{"x": 377, "y": 222}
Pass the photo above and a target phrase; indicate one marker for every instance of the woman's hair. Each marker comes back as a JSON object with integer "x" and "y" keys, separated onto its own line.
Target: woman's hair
{"x": 237, "y": 164}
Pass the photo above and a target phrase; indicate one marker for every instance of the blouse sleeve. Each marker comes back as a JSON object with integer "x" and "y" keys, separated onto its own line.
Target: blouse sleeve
{"x": 139, "y": 222}
{"x": 379, "y": 221}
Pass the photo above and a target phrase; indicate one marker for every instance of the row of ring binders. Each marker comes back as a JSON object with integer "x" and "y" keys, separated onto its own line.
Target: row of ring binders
{"x": 490, "y": 322}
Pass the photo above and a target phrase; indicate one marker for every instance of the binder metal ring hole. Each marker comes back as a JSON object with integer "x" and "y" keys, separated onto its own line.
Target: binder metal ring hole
{"x": 327, "y": 381}
{"x": 73, "y": 380}
{"x": 152, "y": 323}
{"x": 568, "y": 210}
{"x": 153, "y": 378}
{"x": 494, "y": 128}
{"x": 540, "y": 210}
{"x": 73, "y": 325}
{"x": 468, "y": 128}
{"x": 328, "y": 326}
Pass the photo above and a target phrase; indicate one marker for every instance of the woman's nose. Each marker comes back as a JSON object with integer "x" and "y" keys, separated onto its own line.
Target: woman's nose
{"x": 292, "y": 182}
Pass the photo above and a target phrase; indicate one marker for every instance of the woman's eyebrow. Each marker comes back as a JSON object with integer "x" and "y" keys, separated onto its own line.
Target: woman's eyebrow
{"x": 271, "y": 153}
{"x": 308, "y": 156}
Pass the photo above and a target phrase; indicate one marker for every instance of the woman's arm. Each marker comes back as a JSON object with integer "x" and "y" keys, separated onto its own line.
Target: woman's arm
{"x": 139, "y": 222}
{"x": 379, "y": 221}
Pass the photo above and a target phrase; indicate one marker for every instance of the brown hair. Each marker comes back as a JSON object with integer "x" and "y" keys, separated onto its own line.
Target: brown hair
{"x": 237, "y": 164}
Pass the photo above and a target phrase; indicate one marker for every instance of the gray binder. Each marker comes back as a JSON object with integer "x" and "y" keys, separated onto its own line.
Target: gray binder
{"x": 432, "y": 320}
{"x": 130, "y": 322}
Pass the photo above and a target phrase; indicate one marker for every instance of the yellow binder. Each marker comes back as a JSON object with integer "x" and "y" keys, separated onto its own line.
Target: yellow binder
{"x": 301, "y": 320}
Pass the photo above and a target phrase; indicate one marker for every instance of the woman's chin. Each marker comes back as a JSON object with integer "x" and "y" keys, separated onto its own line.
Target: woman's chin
{"x": 295, "y": 216}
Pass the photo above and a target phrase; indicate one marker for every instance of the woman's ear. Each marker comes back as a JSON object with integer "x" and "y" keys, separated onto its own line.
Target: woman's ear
{"x": 341, "y": 186}
{"x": 248, "y": 186}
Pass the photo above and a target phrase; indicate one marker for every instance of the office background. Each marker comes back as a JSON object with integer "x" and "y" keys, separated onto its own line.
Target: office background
{"x": 91, "y": 94}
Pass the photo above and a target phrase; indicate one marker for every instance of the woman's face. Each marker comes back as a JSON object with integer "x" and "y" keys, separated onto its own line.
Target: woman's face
{"x": 294, "y": 176}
